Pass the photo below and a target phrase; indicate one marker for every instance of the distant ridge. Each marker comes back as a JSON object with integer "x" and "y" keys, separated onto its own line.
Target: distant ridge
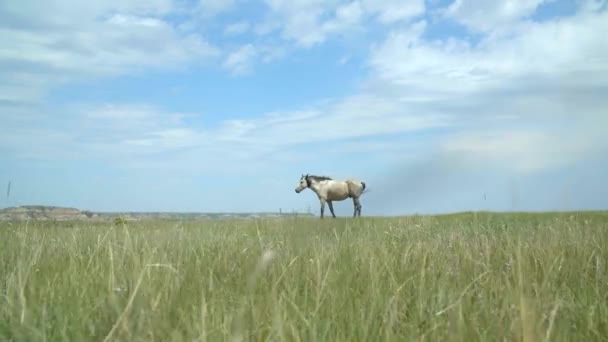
{"x": 54, "y": 213}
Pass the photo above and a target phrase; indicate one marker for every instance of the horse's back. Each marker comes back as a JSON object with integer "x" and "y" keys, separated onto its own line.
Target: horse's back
{"x": 354, "y": 181}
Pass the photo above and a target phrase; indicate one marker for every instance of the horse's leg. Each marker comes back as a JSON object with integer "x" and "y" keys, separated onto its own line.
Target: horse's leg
{"x": 357, "y": 206}
{"x": 331, "y": 208}
{"x": 322, "y": 200}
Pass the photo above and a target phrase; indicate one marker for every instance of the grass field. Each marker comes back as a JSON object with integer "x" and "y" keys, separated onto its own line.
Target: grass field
{"x": 466, "y": 277}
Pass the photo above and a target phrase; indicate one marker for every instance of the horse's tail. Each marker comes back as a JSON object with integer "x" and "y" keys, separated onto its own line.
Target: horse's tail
{"x": 364, "y": 187}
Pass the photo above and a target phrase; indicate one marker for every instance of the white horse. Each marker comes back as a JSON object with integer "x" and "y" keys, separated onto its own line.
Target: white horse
{"x": 329, "y": 190}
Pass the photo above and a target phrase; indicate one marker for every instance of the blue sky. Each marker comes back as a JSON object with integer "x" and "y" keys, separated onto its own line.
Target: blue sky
{"x": 221, "y": 105}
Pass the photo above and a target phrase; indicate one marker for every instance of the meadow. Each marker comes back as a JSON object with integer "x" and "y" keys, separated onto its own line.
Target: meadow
{"x": 462, "y": 277}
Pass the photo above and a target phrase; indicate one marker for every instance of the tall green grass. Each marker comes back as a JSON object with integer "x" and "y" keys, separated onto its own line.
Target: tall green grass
{"x": 468, "y": 277}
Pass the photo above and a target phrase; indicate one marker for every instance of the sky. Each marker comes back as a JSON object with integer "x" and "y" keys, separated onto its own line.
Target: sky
{"x": 221, "y": 105}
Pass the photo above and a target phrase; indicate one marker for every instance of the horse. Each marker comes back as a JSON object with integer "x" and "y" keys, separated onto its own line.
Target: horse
{"x": 328, "y": 190}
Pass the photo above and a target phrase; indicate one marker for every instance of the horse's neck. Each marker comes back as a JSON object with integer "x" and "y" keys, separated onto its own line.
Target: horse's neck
{"x": 316, "y": 187}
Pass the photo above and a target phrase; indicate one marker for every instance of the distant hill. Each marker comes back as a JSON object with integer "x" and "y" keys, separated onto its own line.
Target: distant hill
{"x": 45, "y": 213}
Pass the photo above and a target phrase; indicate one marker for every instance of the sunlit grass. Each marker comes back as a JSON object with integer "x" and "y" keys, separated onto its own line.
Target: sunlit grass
{"x": 463, "y": 277}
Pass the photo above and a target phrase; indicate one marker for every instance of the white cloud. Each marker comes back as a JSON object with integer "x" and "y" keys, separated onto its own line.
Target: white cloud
{"x": 271, "y": 53}
{"x": 237, "y": 28}
{"x": 240, "y": 61}
{"x": 109, "y": 38}
{"x": 356, "y": 116}
{"x": 525, "y": 151}
{"x": 64, "y": 14}
{"x": 483, "y": 15}
{"x": 346, "y": 16}
{"x": 344, "y": 59}
{"x": 209, "y": 8}
{"x": 545, "y": 76}
{"x": 164, "y": 139}
{"x": 111, "y": 133}
{"x": 128, "y": 134}
{"x": 569, "y": 47}
{"x": 300, "y": 19}
{"x": 115, "y": 45}
{"x": 75, "y": 42}
{"x": 311, "y": 22}
{"x": 392, "y": 11}
{"x": 563, "y": 135}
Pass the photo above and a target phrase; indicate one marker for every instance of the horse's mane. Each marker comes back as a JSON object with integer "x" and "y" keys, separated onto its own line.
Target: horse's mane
{"x": 319, "y": 178}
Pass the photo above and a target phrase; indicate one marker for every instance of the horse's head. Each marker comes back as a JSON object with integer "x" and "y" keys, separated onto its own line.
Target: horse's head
{"x": 303, "y": 184}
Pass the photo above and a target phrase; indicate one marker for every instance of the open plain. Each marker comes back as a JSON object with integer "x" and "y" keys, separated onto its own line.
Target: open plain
{"x": 461, "y": 277}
